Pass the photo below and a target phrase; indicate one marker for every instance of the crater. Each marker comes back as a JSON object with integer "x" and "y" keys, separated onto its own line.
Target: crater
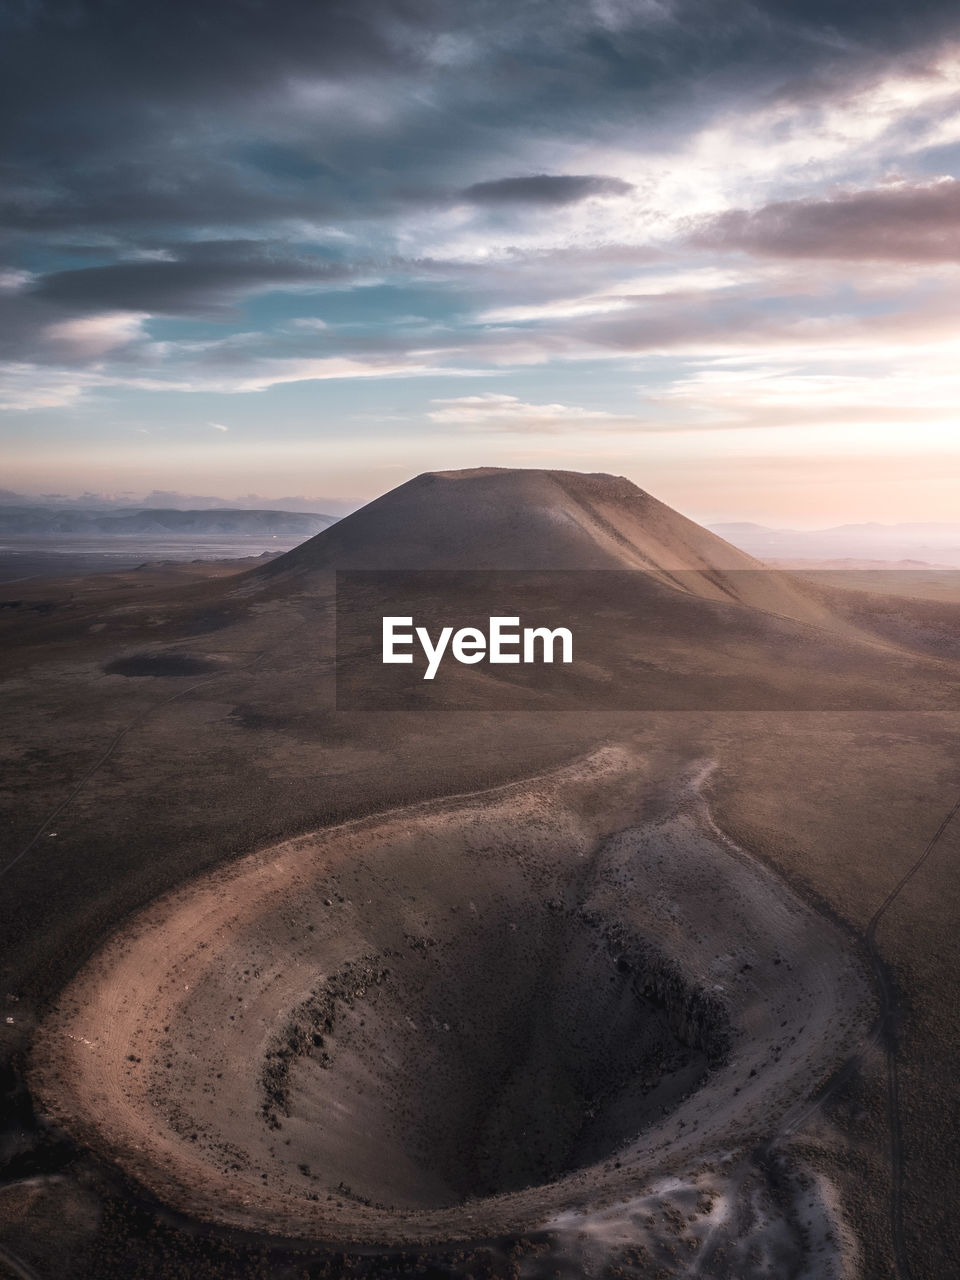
{"x": 500, "y": 1054}
{"x": 457, "y": 1020}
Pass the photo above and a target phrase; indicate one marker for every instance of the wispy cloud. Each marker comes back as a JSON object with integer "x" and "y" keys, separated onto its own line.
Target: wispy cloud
{"x": 25, "y": 387}
{"x": 12, "y": 280}
{"x": 90, "y": 337}
{"x": 494, "y": 411}
{"x": 901, "y": 222}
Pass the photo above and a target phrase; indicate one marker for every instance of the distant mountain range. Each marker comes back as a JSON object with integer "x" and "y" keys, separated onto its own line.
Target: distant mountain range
{"x": 912, "y": 544}
{"x": 171, "y": 500}
{"x": 65, "y": 522}
{"x": 166, "y": 514}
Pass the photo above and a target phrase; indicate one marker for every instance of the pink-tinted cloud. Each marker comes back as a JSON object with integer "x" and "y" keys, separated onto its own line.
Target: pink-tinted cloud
{"x": 900, "y": 223}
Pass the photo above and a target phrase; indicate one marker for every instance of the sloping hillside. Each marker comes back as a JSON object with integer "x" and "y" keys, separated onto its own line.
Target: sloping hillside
{"x": 503, "y": 519}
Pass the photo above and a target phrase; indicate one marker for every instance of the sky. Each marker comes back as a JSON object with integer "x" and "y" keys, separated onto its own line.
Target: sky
{"x": 279, "y": 247}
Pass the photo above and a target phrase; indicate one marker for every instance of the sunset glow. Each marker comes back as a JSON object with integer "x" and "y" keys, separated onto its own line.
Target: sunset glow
{"x": 716, "y": 251}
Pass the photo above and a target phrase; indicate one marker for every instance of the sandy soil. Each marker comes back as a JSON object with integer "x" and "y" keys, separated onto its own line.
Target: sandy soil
{"x": 460, "y": 1019}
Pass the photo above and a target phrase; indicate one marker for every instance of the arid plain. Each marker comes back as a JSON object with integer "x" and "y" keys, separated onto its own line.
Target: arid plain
{"x": 292, "y": 990}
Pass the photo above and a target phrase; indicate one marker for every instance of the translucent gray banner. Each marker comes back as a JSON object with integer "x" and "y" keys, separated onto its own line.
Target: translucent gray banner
{"x": 712, "y": 640}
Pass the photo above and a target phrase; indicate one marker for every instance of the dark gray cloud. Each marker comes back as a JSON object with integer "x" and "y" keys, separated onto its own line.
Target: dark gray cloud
{"x": 905, "y": 223}
{"x": 196, "y": 278}
{"x": 160, "y": 156}
{"x": 134, "y": 197}
{"x": 545, "y": 189}
{"x": 881, "y": 24}
{"x": 86, "y": 54}
{"x": 170, "y": 113}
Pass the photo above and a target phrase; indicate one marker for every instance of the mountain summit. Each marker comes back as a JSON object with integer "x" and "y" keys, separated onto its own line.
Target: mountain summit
{"x": 498, "y": 518}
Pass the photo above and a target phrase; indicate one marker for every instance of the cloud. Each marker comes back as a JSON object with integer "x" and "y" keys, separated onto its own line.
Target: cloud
{"x": 260, "y": 374}
{"x": 168, "y": 115}
{"x": 164, "y": 51}
{"x": 698, "y": 281}
{"x": 897, "y": 395}
{"x": 25, "y": 386}
{"x": 545, "y": 189}
{"x": 495, "y": 412}
{"x": 900, "y": 223}
{"x": 203, "y": 277}
{"x": 90, "y": 337}
{"x": 554, "y": 309}
{"x": 176, "y": 162}
{"x": 12, "y": 279}
{"x": 218, "y": 426}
